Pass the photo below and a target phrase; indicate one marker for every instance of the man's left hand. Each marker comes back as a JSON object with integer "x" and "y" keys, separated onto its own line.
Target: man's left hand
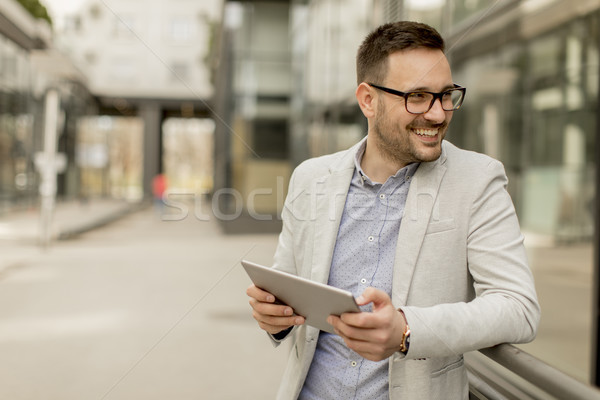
{"x": 374, "y": 335}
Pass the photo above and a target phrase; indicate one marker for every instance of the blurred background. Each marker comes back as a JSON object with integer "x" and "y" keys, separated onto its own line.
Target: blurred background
{"x": 107, "y": 104}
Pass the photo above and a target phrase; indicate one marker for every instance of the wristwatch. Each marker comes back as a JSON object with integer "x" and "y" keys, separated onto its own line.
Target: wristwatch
{"x": 405, "y": 342}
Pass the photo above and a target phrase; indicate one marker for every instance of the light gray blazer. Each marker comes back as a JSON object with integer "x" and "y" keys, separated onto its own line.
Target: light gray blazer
{"x": 460, "y": 271}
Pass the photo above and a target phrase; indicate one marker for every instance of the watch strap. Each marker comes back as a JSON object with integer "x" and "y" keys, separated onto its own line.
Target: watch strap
{"x": 405, "y": 342}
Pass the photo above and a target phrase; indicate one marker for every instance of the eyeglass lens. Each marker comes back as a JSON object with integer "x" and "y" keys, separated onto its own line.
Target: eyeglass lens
{"x": 421, "y": 102}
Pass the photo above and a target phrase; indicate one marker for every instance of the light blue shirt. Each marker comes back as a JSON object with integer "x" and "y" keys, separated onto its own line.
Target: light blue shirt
{"x": 363, "y": 256}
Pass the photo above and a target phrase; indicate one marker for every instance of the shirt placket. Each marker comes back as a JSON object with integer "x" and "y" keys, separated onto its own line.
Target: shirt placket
{"x": 367, "y": 275}
{"x": 352, "y": 372}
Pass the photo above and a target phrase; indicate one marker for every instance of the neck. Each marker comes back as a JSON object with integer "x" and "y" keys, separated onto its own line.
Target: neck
{"x": 377, "y": 167}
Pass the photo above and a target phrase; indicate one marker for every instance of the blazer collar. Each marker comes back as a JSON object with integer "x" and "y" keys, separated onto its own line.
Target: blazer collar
{"x": 346, "y": 161}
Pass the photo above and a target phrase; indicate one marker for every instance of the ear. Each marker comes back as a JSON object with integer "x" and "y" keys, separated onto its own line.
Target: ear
{"x": 366, "y": 100}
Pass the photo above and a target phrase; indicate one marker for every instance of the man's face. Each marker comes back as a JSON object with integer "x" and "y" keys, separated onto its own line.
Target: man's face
{"x": 401, "y": 136}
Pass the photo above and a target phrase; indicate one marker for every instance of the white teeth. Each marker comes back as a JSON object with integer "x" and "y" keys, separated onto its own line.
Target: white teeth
{"x": 426, "y": 132}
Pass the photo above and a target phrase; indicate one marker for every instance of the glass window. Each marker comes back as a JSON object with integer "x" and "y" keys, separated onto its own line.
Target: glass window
{"x": 123, "y": 69}
{"x": 270, "y": 138}
{"x": 541, "y": 123}
{"x": 124, "y": 26}
{"x": 180, "y": 29}
{"x": 180, "y": 71}
{"x": 593, "y": 58}
{"x": 545, "y": 58}
{"x": 17, "y": 178}
{"x": 463, "y": 9}
{"x": 429, "y": 12}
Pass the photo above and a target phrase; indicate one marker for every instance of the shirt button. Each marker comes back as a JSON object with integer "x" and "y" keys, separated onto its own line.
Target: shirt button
{"x": 354, "y": 363}
{"x": 382, "y": 196}
{"x": 363, "y": 280}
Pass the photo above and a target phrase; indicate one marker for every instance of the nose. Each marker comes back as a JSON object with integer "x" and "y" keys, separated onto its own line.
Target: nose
{"x": 436, "y": 113}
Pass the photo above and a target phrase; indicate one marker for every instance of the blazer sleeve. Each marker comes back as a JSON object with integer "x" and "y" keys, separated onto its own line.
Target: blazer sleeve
{"x": 284, "y": 254}
{"x": 505, "y": 307}
{"x": 284, "y": 258}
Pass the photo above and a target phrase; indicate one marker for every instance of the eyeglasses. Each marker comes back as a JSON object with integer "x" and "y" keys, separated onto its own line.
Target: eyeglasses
{"x": 419, "y": 102}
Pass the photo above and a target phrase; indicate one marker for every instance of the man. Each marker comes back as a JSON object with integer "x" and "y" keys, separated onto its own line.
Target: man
{"x": 423, "y": 233}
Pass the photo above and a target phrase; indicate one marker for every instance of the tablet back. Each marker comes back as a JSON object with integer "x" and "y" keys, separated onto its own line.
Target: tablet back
{"x": 312, "y": 300}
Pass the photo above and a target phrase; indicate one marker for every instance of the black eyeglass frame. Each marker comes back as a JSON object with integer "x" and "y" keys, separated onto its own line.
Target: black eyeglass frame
{"x": 435, "y": 96}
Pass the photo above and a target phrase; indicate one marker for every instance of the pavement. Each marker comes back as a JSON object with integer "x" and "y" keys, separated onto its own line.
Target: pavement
{"x": 20, "y": 231}
{"x": 145, "y": 307}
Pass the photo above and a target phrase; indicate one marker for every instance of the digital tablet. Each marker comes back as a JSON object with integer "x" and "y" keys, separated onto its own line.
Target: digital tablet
{"x": 312, "y": 300}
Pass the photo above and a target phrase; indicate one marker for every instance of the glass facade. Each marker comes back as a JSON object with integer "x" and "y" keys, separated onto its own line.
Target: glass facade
{"x": 17, "y": 116}
{"x": 252, "y": 139}
{"x": 463, "y": 10}
{"x": 22, "y": 89}
{"x": 532, "y": 104}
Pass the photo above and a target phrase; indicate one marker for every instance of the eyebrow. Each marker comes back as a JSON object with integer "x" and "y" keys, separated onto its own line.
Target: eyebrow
{"x": 426, "y": 89}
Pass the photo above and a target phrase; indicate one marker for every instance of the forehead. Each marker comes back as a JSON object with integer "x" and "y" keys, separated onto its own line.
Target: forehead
{"x": 413, "y": 69}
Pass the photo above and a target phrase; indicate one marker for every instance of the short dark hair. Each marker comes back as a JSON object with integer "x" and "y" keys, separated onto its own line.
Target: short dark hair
{"x": 372, "y": 56}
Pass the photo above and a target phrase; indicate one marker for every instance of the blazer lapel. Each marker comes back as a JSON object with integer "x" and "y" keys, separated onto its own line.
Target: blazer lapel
{"x": 418, "y": 212}
{"x": 330, "y": 206}
{"x": 330, "y": 198}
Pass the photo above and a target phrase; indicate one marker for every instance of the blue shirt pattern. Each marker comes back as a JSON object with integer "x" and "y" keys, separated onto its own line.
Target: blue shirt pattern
{"x": 363, "y": 256}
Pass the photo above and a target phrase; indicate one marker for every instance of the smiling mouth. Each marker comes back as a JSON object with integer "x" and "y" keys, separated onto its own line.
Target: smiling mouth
{"x": 426, "y": 132}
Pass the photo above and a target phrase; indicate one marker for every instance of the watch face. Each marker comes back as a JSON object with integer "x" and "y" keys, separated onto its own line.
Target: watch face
{"x": 405, "y": 342}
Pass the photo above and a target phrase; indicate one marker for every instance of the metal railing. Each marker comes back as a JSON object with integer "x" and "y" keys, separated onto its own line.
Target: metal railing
{"x": 506, "y": 372}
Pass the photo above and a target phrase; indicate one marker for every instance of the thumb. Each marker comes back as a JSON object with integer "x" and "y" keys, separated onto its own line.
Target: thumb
{"x": 378, "y": 297}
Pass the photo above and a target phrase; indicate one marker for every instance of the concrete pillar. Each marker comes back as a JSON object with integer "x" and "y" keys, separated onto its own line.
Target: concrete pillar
{"x": 596, "y": 284}
{"x": 151, "y": 114}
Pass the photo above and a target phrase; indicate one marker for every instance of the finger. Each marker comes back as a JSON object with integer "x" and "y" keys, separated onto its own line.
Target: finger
{"x": 346, "y": 330}
{"x": 279, "y": 322}
{"x": 259, "y": 294}
{"x": 368, "y": 350}
{"x": 275, "y": 325}
{"x": 378, "y": 319}
{"x": 371, "y": 344}
{"x": 334, "y": 321}
{"x": 270, "y": 308}
{"x": 274, "y": 314}
{"x": 378, "y": 297}
{"x": 362, "y": 320}
{"x": 352, "y": 337}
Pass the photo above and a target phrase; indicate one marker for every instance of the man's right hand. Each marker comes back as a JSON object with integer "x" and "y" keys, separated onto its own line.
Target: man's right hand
{"x": 271, "y": 317}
